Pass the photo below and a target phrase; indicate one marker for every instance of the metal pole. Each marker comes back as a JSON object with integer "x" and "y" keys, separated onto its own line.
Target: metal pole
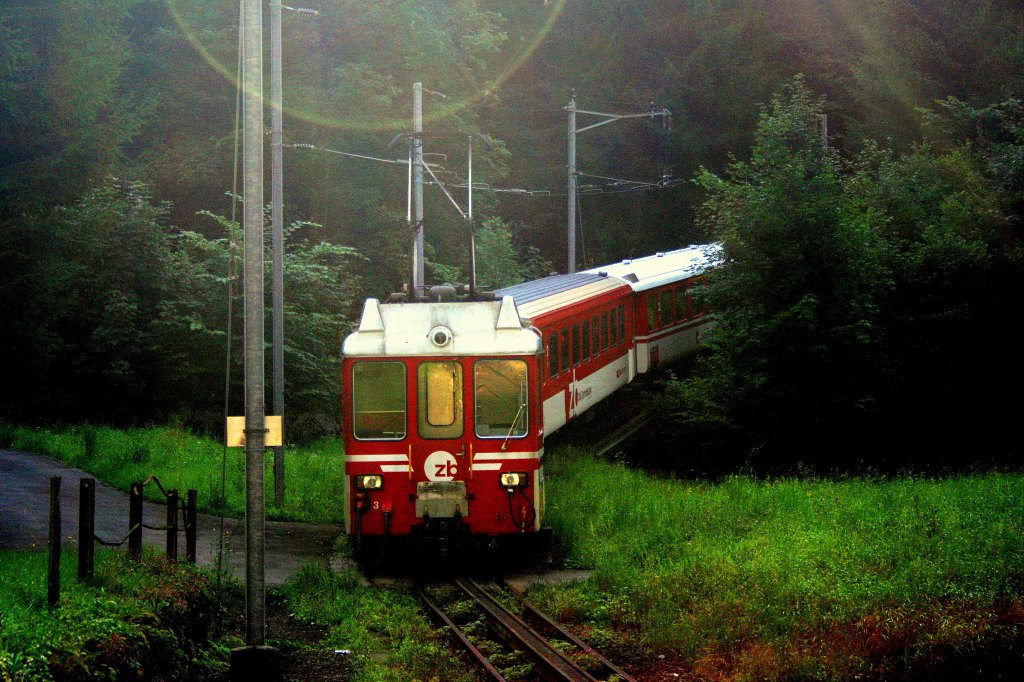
{"x": 255, "y": 436}
{"x": 417, "y": 180}
{"x": 135, "y": 521}
{"x": 472, "y": 226}
{"x": 412, "y": 232}
{"x": 86, "y": 528}
{"x": 53, "y": 545}
{"x": 277, "y": 238}
{"x": 172, "y": 525}
{"x": 191, "y": 517}
{"x": 572, "y": 184}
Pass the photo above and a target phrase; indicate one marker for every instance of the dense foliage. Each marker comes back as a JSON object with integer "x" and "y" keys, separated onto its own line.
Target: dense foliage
{"x": 136, "y": 620}
{"x": 861, "y": 306}
{"x": 886, "y": 256}
{"x": 123, "y": 316}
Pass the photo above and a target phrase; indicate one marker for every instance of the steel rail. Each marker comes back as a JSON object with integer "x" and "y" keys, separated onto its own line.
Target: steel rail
{"x": 534, "y": 612}
{"x": 623, "y": 432}
{"x": 455, "y": 630}
{"x": 542, "y": 650}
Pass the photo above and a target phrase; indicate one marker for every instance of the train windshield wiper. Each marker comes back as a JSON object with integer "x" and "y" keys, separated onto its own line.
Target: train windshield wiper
{"x": 515, "y": 422}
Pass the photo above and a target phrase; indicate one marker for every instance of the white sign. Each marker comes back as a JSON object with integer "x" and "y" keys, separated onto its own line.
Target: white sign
{"x": 440, "y": 466}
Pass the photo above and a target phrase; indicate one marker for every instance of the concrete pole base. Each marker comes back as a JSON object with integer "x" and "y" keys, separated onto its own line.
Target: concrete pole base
{"x": 256, "y": 664}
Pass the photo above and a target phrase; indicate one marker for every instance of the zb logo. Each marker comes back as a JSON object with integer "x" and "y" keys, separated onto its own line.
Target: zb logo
{"x": 440, "y": 466}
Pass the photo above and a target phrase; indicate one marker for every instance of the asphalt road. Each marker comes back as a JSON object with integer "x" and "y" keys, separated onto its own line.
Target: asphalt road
{"x": 24, "y": 520}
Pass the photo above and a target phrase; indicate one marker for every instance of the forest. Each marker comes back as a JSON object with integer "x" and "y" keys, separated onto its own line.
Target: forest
{"x": 862, "y": 162}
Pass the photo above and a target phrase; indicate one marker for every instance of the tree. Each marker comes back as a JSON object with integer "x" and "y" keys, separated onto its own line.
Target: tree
{"x": 852, "y": 301}
{"x": 499, "y": 262}
{"x": 64, "y": 115}
{"x": 117, "y": 316}
{"x": 795, "y": 329}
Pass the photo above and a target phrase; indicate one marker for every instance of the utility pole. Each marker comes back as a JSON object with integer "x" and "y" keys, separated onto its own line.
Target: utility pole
{"x": 573, "y": 131}
{"x": 417, "y": 183}
{"x": 469, "y": 219}
{"x": 254, "y": 660}
{"x": 277, "y": 237}
{"x": 571, "y": 268}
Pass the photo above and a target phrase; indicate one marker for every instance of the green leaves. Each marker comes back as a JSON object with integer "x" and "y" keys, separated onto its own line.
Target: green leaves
{"x": 127, "y": 316}
{"x": 847, "y": 290}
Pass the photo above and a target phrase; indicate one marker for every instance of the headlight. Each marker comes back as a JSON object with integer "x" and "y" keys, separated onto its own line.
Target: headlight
{"x": 368, "y": 482}
{"x": 515, "y": 479}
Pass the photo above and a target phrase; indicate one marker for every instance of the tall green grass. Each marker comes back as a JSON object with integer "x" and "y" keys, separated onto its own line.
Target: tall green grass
{"x": 136, "y": 620}
{"x": 314, "y": 474}
{"x": 389, "y": 636}
{"x": 767, "y": 569}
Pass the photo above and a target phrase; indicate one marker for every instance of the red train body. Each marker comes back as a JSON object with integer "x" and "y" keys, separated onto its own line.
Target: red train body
{"x": 446, "y": 404}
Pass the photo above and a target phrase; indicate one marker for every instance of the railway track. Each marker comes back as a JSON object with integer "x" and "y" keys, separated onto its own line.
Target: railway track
{"x": 512, "y": 647}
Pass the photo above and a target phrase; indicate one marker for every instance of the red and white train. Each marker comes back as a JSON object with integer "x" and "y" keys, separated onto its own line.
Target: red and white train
{"x": 446, "y": 404}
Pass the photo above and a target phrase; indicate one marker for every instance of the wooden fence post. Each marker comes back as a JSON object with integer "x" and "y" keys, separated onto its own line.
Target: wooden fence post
{"x": 53, "y": 545}
{"x": 135, "y": 521}
{"x": 172, "y": 525}
{"x": 86, "y": 528}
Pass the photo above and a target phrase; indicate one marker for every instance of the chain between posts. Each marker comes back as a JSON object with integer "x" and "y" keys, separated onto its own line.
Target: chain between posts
{"x": 88, "y": 538}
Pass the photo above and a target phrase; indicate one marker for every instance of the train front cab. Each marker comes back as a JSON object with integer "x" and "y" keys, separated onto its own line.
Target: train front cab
{"x": 444, "y": 444}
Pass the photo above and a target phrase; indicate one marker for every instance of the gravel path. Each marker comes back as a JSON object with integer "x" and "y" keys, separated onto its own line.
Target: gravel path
{"x": 24, "y": 517}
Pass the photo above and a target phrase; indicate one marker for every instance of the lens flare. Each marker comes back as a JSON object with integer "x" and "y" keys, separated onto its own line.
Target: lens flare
{"x": 201, "y": 38}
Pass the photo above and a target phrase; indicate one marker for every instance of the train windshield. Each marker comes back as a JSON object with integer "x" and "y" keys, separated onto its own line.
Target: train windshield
{"x": 440, "y": 399}
{"x": 501, "y": 398}
{"x": 378, "y": 400}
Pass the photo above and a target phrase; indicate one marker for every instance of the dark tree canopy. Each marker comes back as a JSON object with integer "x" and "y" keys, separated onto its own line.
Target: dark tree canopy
{"x": 878, "y": 248}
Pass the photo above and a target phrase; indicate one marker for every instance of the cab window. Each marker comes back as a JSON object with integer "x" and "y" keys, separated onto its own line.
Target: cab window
{"x": 378, "y": 400}
{"x": 439, "y": 388}
{"x": 500, "y": 393}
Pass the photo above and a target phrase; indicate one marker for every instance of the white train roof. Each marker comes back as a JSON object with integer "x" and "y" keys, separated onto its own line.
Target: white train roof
{"x": 541, "y": 296}
{"x": 558, "y": 291}
{"x": 663, "y": 268}
{"x": 469, "y": 328}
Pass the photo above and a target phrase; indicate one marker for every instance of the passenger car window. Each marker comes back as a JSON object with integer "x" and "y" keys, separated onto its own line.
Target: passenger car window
{"x": 553, "y": 355}
{"x": 667, "y": 306}
{"x": 576, "y": 355}
{"x": 565, "y": 350}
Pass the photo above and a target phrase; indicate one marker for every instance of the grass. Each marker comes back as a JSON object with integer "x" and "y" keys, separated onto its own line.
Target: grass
{"x": 793, "y": 579}
{"x": 743, "y": 579}
{"x": 148, "y": 620}
{"x": 389, "y": 636}
{"x": 314, "y": 474}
